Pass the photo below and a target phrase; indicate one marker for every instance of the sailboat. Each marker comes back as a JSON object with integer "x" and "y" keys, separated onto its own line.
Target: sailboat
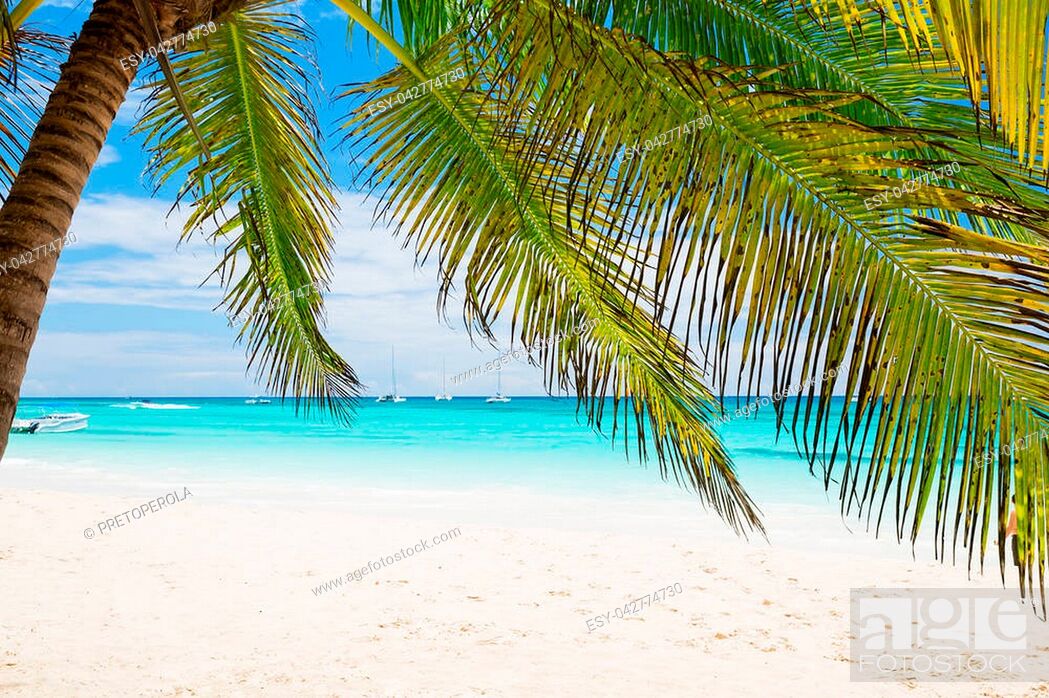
{"x": 443, "y": 395}
{"x": 498, "y": 397}
{"x": 392, "y": 396}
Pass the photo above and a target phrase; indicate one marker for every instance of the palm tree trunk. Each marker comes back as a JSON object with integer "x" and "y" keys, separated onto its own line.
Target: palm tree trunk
{"x": 91, "y": 87}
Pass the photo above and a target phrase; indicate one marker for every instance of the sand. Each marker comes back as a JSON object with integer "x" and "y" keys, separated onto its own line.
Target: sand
{"x": 213, "y": 596}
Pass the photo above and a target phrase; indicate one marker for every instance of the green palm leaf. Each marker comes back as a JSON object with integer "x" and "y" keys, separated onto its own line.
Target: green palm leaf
{"x": 28, "y": 72}
{"x": 767, "y": 207}
{"x": 999, "y": 46}
{"x": 770, "y": 210}
{"x": 266, "y": 191}
{"x": 926, "y": 92}
{"x": 474, "y": 197}
{"x": 420, "y": 22}
{"x": 900, "y": 90}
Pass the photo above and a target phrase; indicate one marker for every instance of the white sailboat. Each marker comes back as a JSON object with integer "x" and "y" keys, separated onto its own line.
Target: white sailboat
{"x": 498, "y": 397}
{"x": 392, "y": 396}
{"x": 443, "y": 395}
{"x": 257, "y": 400}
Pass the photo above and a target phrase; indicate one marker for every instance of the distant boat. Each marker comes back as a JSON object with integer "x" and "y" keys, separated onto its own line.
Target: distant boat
{"x": 257, "y": 400}
{"x": 56, "y": 423}
{"x": 498, "y": 397}
{"x": 443, "y": 395}
{"x": 392, "y": 396}
{"x": 150, "y": 405}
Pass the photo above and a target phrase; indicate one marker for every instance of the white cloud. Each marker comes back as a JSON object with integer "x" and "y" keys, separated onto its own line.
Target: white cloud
{"x": 133, "y": 262}
{"x": 108, "y": 362}
{"x": 136, "y": 257}
{"x": 130, "y": 109}
{"x": 108, "y": 156}
{"x": 378, "y": 299}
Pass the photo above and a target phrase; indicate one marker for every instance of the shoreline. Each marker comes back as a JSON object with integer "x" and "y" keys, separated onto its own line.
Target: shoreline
{"x": 652, "y": 508}
{"x": 215, "y": 596}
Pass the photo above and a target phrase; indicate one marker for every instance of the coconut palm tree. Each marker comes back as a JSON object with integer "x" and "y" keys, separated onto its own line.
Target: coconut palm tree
{"x": 674, "y": 177}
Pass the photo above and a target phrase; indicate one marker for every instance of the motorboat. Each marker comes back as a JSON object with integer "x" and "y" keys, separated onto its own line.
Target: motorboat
{"x": 55, "y": 423}
{"x": 257, "y": 400}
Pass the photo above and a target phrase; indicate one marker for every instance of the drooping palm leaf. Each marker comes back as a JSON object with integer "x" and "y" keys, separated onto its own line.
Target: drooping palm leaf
{"x": 266, "y": 190}
{"x": 471, "y": 197}
{"x": 772, "y": 211}
{"x": 767, "y": 206}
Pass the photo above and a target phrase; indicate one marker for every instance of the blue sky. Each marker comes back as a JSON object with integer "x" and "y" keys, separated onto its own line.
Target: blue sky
{"x": 127, "y": 315}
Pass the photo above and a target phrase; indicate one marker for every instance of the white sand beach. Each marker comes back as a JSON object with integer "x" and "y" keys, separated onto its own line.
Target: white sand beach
{"x": 213, "y": 596}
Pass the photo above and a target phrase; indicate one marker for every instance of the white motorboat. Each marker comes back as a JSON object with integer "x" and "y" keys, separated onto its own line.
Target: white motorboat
{"x": 257, "y": 400}
{"x": 498, "y": 397}
{"x": 55, "y": 423}
{"x": 392, "y": 396}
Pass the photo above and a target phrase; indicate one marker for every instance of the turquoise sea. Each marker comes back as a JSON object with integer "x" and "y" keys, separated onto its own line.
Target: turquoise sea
{"x": 537, "y": 443}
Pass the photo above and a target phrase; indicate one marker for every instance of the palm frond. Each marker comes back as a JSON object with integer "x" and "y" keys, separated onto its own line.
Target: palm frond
{"x": 419, "y": 23}
{"x": 25, "y": 91}
{"x": 939, "y": 330}
{"x": 516, "y": 242}
{"x": 265, "y": 194}
{"x": 809, "y": 54}
{"x": 999, "y": 46}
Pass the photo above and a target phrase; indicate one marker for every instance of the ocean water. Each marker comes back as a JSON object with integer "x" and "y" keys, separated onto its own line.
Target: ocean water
{"x": 534, "y": 443}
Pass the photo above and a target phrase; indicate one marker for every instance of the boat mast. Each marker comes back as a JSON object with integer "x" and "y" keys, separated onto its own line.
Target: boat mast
{"x": 393, "y": 371}
{"x": 444, "y": 383}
